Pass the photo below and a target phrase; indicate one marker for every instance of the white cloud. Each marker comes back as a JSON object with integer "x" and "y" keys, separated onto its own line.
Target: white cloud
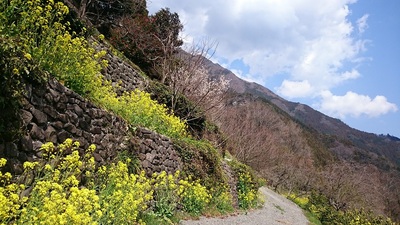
{"x": 292, "y": 89}
{"x": 305, "y": 39}
{"x": 355, "y": 105}
{"x": 362, "y": 23}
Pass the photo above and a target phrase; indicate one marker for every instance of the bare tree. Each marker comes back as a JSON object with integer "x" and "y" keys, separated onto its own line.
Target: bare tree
{"x": 185, "y": 74}
{"x": 192, "y": 80}
{"x": 341, "y": 183}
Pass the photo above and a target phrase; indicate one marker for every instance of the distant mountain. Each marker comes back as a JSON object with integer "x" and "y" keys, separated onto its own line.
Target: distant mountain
{"x": 365, "y": 147}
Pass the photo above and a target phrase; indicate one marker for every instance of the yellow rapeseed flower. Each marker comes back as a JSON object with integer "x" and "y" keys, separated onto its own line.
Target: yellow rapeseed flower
{"x": 28, "y": 56}
{"x": 3, "y": 162}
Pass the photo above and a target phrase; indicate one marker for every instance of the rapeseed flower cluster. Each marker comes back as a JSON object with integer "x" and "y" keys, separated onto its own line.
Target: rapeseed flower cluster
{"x": 172, "y": 192}
{"x": 247, "y": 191}
{"x": 67, "y": 188}
{"x": 319, "y": 207}
{"x": 361, "y": 217}
{"x": 138, "y": 108}
{"x": 165, "y": 197}
{"x": 10, "y": 201}
{"x": 46, "y": 41}
{"x": 38, "y": 30}
{"x": 222, "y": 198}
{"x": 56, "y": 196}
{"x": 122, "y": 195}
{"x": 194, "y": 196}
{"x": 300, "y": 201}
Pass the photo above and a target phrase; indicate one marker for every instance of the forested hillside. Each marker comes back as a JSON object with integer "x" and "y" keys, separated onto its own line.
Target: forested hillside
{"x": 301, "y": 150}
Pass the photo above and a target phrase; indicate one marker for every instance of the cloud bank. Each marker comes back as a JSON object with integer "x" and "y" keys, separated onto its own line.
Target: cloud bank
{"x": 355, "y": 105}
{"x": 311, "y": 44}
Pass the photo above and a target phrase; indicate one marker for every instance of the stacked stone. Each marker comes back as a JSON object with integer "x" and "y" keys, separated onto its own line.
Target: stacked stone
{"x": 53, "y": 113}
{"x": 120, "y": 73}
{"x": 157, "y": 153}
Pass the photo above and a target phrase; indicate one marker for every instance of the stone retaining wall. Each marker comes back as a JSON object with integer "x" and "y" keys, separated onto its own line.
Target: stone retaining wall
{"x": 156, "y": 152}
{"x": 120, "y": 73}
{"x": 53, "y": 113}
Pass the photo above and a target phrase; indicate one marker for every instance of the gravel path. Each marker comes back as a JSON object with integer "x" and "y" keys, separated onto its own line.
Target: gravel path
{"x": 277, "y": 210}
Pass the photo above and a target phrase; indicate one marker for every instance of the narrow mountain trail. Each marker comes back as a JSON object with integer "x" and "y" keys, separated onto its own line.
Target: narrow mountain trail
{"x": 277, "y": 210}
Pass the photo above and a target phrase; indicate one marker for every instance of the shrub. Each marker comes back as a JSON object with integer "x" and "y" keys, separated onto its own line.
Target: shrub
{"x": 318, "y": 205}
{"x": 200, "y": 159}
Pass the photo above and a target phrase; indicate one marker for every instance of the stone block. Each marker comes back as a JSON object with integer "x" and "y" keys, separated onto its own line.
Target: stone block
{"x": 88, "y": 136}
{"x": 63, "y": 98}
{"x": 70, "y": 128}
{"x": 26, "y": 143}
{"x": 35, "y": 131}
{"x": 50, "y": 111}
{"x": 58, "y": 125}
{"x": 83, "y": 124}
{"x": 36, "y": 145}
{"x": 97, "y": 157}
{"x": 55, "y": 95}
{"x": 146, "y": 164}
{"x": 61, "y": 107}
{"x": 62, "y": 136}
{"x": 83, "y": 142}
{"x": 79, "y": 133}
{"x": 142, "y": 156}
{"x": 50, "y": 134}
{"x": 97, "y": 139}
{"x": 48, "y": 97}
{"x": 39, "y": 117}
{"x": 12, "y": 150}
{"x": 72, "y": 117}
{"x": 26, "y": 116}
{"x": 78, "y": 110}
{"x": 150, "y": 157}
{"x": 95, "y": 130}
{"x": 54, "y": 84}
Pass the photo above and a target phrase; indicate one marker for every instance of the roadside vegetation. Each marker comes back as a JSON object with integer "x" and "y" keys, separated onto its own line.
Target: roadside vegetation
{"x": 70, "y": 189}
{"x": 318, "y": 210}
{"x": 39, "y": 41}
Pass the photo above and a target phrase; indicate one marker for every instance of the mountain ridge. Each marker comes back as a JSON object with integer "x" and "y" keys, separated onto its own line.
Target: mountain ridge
{"x": 365, "y": 143}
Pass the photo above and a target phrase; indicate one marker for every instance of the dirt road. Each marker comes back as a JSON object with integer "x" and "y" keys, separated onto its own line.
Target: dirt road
{"x": 277, "y": 210}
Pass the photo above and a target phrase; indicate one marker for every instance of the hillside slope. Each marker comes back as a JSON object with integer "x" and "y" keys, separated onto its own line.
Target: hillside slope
{"x": 298, "y": 148}
{"x": 370, "y": 147}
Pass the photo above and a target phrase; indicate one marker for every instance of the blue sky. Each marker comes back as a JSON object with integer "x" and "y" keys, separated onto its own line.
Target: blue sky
{"x": 341, "y": 57}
